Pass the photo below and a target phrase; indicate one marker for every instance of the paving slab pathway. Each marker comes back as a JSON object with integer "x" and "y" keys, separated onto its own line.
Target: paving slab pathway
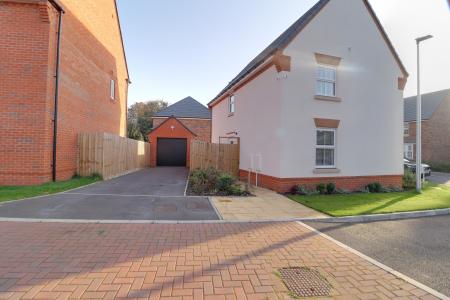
{"x": 180, "y": 261}
{"x": 265, "y": 205}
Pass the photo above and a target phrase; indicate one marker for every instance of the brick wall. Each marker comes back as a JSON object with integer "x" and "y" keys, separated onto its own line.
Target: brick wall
{"x": 202, "y": 128}
{"x": 435, "y": 135}
{"x": 166, "y": 131}
{"x": 438, "y": 134}
{"x": 24, "y": 44}
{"x": 351, "y": 183}
{"x": 91, "y": 55}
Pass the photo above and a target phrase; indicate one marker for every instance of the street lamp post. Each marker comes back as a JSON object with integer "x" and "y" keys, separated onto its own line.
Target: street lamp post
{"x": 419, "y": 119}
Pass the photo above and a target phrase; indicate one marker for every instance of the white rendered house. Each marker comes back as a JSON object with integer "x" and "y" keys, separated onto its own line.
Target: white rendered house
{"x": 322, "y": 103}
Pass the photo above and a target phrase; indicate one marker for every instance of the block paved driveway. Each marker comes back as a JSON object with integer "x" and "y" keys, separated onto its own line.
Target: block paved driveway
{"x": 150, "y": 194}
{"x": 179, "y": 261}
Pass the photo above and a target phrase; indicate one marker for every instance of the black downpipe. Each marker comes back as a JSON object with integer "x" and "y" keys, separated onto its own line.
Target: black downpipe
{"x": 55, "y": 112}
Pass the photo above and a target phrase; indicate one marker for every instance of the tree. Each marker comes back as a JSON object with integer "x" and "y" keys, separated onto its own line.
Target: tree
{"x": 140, "y": 116}
{"x": 134, "y": 132}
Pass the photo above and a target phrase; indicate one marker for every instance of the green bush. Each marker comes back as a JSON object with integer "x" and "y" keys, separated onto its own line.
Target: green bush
{"x": 409, "y": 180}
{"x": 303, "y": 190}
{"x": 321, "y": 188}
{"x": 374, "y": 187}
{"x": 331, "y": 188}
{"x": 213, "y": 182}
{"x": 439, "y": 167}
{"x": 224, "y": 183}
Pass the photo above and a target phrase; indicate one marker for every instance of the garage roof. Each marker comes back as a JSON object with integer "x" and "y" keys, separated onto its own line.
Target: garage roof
{"x": 430, "y": 103}
{"x": 186, "y": 108}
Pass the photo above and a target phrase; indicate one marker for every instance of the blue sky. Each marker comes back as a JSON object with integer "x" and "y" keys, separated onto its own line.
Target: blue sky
{"x": 178, "y": 48}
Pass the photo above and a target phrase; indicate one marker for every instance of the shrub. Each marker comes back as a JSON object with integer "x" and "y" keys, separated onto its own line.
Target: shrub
{"x": 439, "y": 167}
{"x": 409, "y": 180}
{"x": 224, "y": 183}
{"x": 343, "y": 192}
{"x": 301, "y": 190}
{"x": 213, "y": 182}
{"x": 331, "y": 188}
{"x": 374, "y": 187}
{"x": 321, "y": 188}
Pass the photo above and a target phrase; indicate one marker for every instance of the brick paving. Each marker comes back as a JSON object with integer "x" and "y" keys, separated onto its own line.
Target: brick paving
{"x": 179, "y": 261}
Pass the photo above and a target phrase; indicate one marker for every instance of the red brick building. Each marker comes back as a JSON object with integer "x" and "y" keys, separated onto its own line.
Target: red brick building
{"x": 173, "y": 130}
{"x": 92, "y": 80}
{"x": 435, "y": 127}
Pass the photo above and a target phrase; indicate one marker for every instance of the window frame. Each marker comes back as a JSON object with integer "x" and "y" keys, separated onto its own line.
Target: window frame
{"x": 406, "y": 150}
{"x": 334, "y": 82}
{"x": 406, "y": 128}
{"x": 333, "y": 147}
{"x": 231, "y": 104}
{"x": 112, "y": 89}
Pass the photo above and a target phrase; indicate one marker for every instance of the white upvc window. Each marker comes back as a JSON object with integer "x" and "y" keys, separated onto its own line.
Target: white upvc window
{"x": 409, "y": 151}
{"x": 326, "y": 81}
{"x": 325, "y": 148}
{"x": 231, "y": 105}
{"x": 112, "y": 89}
{"x": 406, "y": 129}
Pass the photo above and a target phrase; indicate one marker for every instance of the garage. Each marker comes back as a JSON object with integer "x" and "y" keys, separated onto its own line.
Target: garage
{"x": 171, "y": 152}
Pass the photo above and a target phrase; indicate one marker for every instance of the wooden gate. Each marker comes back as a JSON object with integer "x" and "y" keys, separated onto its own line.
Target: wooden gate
{"x": 224, "y": 157}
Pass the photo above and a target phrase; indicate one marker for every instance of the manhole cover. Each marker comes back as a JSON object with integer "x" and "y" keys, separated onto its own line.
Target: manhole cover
{"x": 305, "y": 282}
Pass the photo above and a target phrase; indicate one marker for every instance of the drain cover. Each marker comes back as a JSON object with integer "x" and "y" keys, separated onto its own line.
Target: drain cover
{"x": 305, "y": 282}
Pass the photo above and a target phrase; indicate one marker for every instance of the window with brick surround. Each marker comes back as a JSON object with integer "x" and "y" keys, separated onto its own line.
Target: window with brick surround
{"x": 325, "y": 148}
{"x": 408, "y": 151}
{"x": 406, "y": 129}
{"x": 231, "y": 105}
{"x": 326, "y": 81}
{"x": 112, "y": 88}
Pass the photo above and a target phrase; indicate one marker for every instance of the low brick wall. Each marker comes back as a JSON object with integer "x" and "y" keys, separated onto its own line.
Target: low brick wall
{"x": 352, "y": 183}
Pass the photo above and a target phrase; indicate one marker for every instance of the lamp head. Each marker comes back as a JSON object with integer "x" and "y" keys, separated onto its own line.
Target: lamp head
{"x": 423, "y": 38}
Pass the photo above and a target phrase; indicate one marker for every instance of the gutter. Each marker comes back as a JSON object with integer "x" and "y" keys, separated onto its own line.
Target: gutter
{"x": 55, "y": 110}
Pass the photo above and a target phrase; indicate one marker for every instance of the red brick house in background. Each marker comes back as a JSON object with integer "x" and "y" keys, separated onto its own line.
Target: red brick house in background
{"x": 173, "y": 130}
{"x": 92, "y": 80}
{"x": 435, "y": 127}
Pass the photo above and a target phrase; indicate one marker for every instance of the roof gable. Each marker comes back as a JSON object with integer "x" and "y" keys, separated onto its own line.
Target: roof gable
{"x": 430, "y": 103}
{"x": 287, "y": 36}
{"x": 172, "y": 120}
{"x": 186, "y": 108}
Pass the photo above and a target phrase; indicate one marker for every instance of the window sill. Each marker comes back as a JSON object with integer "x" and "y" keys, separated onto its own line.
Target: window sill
{"x": 326, "y": 171}
{"x": 327, "y": 98}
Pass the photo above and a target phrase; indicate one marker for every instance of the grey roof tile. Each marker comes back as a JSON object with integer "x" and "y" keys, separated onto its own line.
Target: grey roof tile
{"x": 430, "y": 102}
{"x": 278, "y": 44}
{"x": 186, "y": 108}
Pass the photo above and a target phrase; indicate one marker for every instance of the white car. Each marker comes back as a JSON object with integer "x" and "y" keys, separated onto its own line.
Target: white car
{"x": 411, "y": 166}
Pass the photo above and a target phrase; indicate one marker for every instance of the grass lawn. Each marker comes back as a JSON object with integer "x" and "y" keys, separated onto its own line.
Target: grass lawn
{"x": 432, "y": 197}
{"x": 21, "y": 192}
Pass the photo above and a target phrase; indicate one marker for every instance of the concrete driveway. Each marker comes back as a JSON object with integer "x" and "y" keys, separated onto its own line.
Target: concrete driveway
{"x": 150, "y": 194}
{"x": 418, "y": 248}
{"x": 440, "y": 178}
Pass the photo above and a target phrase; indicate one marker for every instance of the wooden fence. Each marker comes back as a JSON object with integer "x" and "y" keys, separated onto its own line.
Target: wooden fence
{"x": 110, "y": 155}
{"x": 224, "y": 157}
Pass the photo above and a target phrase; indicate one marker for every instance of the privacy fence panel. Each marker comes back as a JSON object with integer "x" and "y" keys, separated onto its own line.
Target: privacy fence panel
{"x": 224, "y": 157}
{"x": 110, "y": 155}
